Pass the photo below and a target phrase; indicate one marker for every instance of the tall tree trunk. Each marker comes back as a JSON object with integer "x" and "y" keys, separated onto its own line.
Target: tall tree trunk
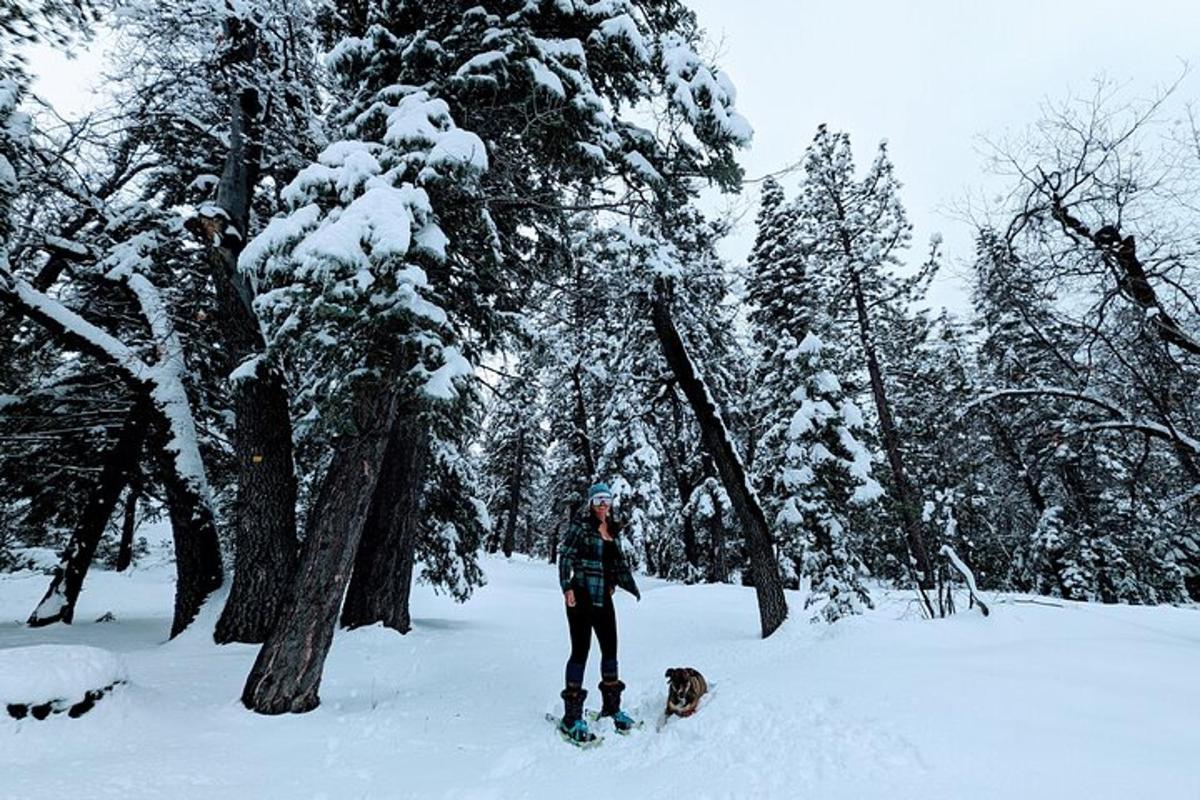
{"x": 58, "y": 604}
{"x": 286, "y": 676}
{"x": 554, "y": 537}
{"x": 198, "y": 570}
{"x": 383, "y": 569}
{"x": 764, "y": 569}
{"x": 684, "y": 483}
{"x": 514, "y": 495}
{"x": 719, "y": 558}
{"x": 265, "y": 510}
{"x": 129, "y": 522}
{"x": 582, "y": 437}
{"x": 908, "y": 500}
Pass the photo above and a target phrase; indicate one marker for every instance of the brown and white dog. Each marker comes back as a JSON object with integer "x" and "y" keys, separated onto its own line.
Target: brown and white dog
{"x": 686, "y": 688}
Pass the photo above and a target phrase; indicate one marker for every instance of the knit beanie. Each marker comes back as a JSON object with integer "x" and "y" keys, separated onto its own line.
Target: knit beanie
{"x": 599, "y": 489}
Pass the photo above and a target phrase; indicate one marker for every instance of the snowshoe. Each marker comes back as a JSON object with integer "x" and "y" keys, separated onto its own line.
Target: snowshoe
{"x": 577, "y": 734}
{"x": 622, "y": 722}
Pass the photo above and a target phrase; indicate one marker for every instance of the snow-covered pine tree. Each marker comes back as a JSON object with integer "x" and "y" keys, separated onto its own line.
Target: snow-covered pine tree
{"x": 824, "y": 469}
{"x": 717, "y": 536}
{"x": 707, "y": 312}
{"x": 454, "y": 517}
{"x": 575, "y": 320}
{"x": 513, "y": 446}
{"x": 932, "y": 379}
{"x": 662, "y": 256}
{"x": 1023, "y": 345}
{"x": 652, "y": 450}
{"x": 395, "y": 322}
{"x": 854, "y": 231}
{"x": 786, "y": 307}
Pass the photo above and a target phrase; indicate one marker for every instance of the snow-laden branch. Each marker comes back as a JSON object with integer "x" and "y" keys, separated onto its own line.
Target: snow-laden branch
{"x": 81, "y": 334}
{"x": 163, "y": 381}
{"x": 167, "y": 382}
{"x": 967, "y": 575}
{"x": 1121, "y": 420}
{"x": 1148, "y": 428}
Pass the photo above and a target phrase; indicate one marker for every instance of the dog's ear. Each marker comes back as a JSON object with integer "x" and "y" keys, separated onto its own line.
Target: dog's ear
{"x": 670, "y": 673}
{"x": 691, "y": 673}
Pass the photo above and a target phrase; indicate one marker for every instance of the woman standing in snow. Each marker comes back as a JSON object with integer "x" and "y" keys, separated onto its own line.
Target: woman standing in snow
{"x": 590, "y": 567}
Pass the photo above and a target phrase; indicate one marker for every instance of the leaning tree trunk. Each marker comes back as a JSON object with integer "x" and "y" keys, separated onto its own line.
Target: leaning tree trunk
{"x": 286, "y": 676}
{"x": 265, "y": 509}
{"x": 58, "y": 605}
{"x": 169, "y": 425}
{"x": 764, "y": 569}
{"x": 906, "y": 495}
{"x": 382, "y": 582}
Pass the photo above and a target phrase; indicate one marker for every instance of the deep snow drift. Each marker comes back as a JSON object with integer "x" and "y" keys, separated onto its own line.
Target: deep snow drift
{"x": 1038, "y": 701}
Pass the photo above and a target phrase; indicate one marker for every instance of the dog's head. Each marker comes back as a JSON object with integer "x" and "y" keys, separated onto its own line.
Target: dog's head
{"x": 682, "y": 689}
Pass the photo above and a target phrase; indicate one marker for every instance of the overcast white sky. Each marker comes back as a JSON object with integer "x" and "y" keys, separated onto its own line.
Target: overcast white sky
{"x": 930, "y": 76}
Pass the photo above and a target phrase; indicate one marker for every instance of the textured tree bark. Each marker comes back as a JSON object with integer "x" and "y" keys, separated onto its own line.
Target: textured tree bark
{"x": 286, "y": 676}
{"x": 58, "y": 604}
{"x": 907, "y": 497}
{"x": 265, "y": 509}
{"x": 764, "y": 569}
{"x": 383, "y": 569}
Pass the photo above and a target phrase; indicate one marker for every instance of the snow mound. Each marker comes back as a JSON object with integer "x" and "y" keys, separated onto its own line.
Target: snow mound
{"x": 49, "y": 672}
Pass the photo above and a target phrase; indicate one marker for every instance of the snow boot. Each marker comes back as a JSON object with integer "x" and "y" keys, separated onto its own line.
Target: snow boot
{"x": 610, "y": 691}
{"x": 572, "y": 726}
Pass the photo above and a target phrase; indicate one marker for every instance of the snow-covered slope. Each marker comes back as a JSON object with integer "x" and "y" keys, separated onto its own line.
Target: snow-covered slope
{"x": 1038, "y": 701}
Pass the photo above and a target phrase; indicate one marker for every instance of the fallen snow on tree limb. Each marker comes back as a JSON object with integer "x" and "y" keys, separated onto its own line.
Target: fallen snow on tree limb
{"x": 168, "y": 378}
{"x": 968, "y": 576}
{"x": 164, "y": 380}
{"x": 117, "y": 351}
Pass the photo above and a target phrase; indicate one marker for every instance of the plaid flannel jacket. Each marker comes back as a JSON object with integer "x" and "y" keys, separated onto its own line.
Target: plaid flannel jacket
{"x": 581, "y": 561}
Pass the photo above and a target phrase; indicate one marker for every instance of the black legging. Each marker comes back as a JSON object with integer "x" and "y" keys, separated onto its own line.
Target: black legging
{"x": 582, "y": 619}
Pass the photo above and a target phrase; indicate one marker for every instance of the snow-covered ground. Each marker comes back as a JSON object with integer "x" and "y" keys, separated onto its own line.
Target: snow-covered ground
{"x": 1038, "y": 701}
